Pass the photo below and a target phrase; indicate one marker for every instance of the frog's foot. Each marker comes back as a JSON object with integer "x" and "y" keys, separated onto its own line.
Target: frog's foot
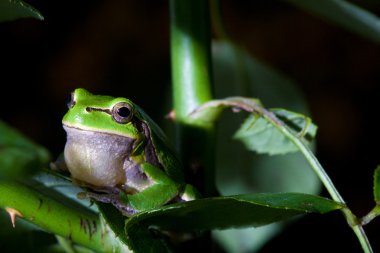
{"x": 110, "y": 198}
{"x": 188, "y": 193}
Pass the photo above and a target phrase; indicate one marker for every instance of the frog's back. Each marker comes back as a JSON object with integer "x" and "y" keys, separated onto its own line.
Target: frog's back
{"x": 166, "y": 154}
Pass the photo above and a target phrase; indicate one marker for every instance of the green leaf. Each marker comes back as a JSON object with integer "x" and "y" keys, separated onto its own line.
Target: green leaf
{"x": 221, "y": 213}
{"x": 115, "y": 221}
{"x": 33, "y": 239}
{"x": 18, "y": 154}
{"x": 259, "y": 135}
{"x": 15, "y": 9}
{"x": 344, "y": 14}
{"x": 261, "y": 131}
{"x": 17, "y": 161}
{"x": 376, "y": 185}
{"x": 375, "y": 212}
{"x": 53, "y": 182}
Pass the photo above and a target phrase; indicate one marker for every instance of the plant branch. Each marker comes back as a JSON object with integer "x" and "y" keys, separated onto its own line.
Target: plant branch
{"x": 371, "y": 215}
{"x": 254, "y": 106}
{"x": 317, "y": 167}
{"x": 77, "y": 224}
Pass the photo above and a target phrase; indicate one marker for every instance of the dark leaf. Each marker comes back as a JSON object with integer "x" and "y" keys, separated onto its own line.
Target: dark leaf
{"x": 15, "y": 9}
{"x": 376, "y": 185}
{"x": 221, "y": 213}
{"x": 345, "y": 14}
{"x": 18, "y": 154}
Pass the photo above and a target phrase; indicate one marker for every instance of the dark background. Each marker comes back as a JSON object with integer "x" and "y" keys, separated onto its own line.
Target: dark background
{"x": 121, "y": 48}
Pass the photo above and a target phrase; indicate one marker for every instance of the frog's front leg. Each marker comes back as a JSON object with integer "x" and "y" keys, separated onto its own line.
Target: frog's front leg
{"x": 161, "y": 190}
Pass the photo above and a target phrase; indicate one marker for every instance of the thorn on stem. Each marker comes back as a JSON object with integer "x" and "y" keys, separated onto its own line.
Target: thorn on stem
{"x": 171, "y": 115}
{"x": 13, "y": 213}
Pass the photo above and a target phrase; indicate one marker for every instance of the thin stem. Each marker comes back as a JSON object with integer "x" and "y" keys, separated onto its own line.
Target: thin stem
{"x": 317, "y": 167}
{"x": 254, "y": 106}
{"x": 371, "y": 215}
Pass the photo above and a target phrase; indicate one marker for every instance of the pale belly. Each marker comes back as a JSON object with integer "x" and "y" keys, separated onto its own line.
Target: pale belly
{"x": 96, "y": 158}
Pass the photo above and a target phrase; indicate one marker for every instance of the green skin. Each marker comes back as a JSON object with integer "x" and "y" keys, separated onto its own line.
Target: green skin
{"x": 115, "y": 149}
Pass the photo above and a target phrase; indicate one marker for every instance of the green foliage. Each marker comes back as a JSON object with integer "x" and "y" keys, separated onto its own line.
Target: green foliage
{"x": 221, "y": 213}
{"x": 50, "y": 202}
{"x": 35, "y": 239}
{"x": 375, "y": 212}
{"x": 18, "y": 154}
{"x": 376, "y": 185}
{"x": 15, "y": 9}
{"x": 263, "y": 137}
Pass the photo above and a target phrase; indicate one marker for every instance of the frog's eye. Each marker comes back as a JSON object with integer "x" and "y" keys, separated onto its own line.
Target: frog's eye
{"x": 122, "y": 112}
{"x": 70, "y": 102}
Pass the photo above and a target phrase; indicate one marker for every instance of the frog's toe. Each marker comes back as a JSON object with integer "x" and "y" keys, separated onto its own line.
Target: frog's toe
{"x": 189, "y": 193}
{"x": 114, "y": 199}
{"x": 104, "y": 198}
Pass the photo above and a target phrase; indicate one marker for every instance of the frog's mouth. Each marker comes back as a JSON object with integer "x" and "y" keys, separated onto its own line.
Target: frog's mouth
{"x": 68, "y": 127}
{"x": 109, "y": 141}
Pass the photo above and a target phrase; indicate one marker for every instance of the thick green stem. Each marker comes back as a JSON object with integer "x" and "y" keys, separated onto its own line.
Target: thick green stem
{"x": 192, "y": 82}
{"x": 190, "y": 53}
{"x": 80, "y": 226}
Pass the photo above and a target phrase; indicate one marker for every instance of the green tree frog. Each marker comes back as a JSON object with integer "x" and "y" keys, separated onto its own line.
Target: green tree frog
{"x": 123, "y": 158}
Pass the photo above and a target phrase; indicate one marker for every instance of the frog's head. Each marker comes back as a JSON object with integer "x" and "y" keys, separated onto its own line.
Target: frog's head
{"x": 101, "y": 132}
{"x": 102, "y": 114}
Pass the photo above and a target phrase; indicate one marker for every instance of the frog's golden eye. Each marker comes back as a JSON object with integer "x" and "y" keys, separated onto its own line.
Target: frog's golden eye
{"x": 122, "y": 112}
{"x": 70, "y": 102}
